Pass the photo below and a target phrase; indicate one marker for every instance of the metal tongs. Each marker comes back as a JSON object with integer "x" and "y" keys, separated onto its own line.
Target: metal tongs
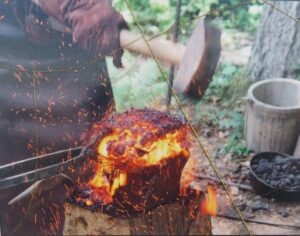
{"x": 47, "y": 170}
{"x": 45, "y": 166}
{"x": 41, "y": 170}
{"x": 40, "y": 167}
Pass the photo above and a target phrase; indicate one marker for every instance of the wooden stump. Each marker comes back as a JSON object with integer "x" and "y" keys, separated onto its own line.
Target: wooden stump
{"x": 181, "y": 217}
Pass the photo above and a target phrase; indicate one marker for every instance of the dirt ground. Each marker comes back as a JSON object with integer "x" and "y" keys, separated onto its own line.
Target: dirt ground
{"x": 236, "y": 170}
{"x": 233, "y": 170}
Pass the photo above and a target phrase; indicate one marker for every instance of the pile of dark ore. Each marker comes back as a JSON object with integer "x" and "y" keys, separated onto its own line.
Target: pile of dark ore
{"x": 281, "y": 172}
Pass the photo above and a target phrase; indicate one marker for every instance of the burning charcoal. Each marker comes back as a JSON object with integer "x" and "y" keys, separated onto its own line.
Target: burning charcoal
{"x": 119, "y": 150}
{"x": 140, "y": 161}
{"x": 140, "y": 152}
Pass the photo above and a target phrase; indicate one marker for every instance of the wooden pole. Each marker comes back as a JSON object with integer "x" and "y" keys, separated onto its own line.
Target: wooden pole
{"x": 175, "y": 39}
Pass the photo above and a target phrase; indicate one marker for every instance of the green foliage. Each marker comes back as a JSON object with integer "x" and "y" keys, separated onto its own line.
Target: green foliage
{"x": 231, "y": 120}
{"x": 138, "y": 85}
{"x": 234, "y": 121}
{"x": 221, "y": 81}
{"x": 156, "y": 16}
{"x": 153, "y": 15}
{"x": 243, "y": 17}
{"x": 227, "y": 113}
{"x": 229, "y": 84}
{"x": 235, "y": 146}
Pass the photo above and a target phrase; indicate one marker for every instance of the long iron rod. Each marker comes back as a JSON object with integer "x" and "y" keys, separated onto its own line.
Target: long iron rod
{"x": 175, "y": 39}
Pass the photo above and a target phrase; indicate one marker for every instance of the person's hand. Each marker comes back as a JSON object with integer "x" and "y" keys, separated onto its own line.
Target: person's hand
{"x": 95, "y": 25}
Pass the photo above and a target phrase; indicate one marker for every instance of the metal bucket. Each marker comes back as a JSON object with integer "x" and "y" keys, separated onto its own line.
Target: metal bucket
{"x": 273, "y": 115}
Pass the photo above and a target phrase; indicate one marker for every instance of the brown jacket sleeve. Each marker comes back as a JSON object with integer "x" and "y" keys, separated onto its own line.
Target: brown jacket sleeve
{"x": 95, "y": 25}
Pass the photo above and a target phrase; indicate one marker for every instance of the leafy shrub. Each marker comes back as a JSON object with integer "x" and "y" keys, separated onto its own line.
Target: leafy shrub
{"x": 228, "y": 114}
{"x": 243, "y": 17}
{"x": 158, "y": 15}
{"x": 138, "y": 85}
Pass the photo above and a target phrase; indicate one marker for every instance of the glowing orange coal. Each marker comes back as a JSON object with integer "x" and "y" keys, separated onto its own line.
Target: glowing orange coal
{"x": 210, "y": 205}
{"x": 135, "y": 140}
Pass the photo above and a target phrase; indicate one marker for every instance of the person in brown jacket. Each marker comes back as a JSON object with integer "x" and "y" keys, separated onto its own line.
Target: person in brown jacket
{"x": 43, "y": 109}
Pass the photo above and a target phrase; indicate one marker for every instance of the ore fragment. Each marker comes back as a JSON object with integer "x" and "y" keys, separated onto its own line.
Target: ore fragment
{"x": 280, "y": 172}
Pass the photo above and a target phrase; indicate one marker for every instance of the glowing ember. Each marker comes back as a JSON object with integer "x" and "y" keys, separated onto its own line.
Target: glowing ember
{"x": 210, "y": 205}
{"x": 137, "y": 146}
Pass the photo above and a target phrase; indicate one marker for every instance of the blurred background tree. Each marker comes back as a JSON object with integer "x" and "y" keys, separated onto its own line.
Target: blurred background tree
{"x": 276, "y": 48}
{"x": 158, "y": 15}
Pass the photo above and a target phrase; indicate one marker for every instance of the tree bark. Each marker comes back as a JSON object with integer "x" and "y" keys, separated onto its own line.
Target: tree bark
{"x": 276, "y": 49}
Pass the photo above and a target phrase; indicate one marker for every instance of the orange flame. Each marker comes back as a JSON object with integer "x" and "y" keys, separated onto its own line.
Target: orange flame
{"x": 210, "y": 205}
{"x": 137, "y": 144}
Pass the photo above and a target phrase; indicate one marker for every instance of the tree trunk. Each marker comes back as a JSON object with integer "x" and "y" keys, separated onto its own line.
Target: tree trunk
{"x": 276, "y": 50}
{"x": 181, "y": 217}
